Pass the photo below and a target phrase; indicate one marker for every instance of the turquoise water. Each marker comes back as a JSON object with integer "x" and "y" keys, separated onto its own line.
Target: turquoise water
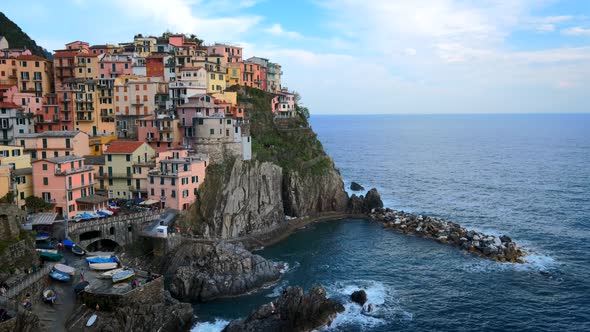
{"x": 523, "y": 175}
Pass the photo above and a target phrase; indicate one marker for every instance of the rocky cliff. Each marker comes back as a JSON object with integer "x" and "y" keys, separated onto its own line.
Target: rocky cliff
{"x": 290, "y": 174}
{"x": 292, "y": 311}
{"x": 201, "y": 272}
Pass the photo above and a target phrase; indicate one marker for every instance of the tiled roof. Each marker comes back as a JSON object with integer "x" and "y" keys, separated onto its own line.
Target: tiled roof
{"x": 6, "y": 86}
{"x": 30, "y": 57}
{"x": 123, "y": 147}
{"x": 94, "y": 160}
{"x": 59, "y": 133}
{"x": 9, "y": 105}
{"x": 23, "y": 171}
{"x": 62, "y": 159}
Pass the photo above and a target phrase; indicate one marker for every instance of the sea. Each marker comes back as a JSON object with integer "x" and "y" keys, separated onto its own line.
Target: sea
{"x": 527, "y": 176}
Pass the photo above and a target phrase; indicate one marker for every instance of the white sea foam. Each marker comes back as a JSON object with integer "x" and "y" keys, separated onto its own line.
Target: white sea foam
{"x": 214, "y": 326}
{"x": 533, "y": 261}
{"x": 278, "y": 289}
{"x": 385, "y": 305}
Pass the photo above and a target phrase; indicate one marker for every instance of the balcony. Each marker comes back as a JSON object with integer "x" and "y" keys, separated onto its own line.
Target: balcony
{"x": 137, "y": 103}
{"x": 86, "y": 168}
{"x": 6, "y": 126}
{"x": 119, "y": 176}
{"x": 138, "y": 190}
{"x": 49, "y": 201}
{"x": 25, "y": 79}
{"x": 164, "y": 129}
{"x": 85, "y": 119}
{"x": 82, "y": 185}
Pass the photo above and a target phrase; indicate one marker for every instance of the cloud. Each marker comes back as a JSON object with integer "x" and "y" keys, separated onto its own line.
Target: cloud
{"x": 576, "y": 31}
{"x": 277, "y": 30}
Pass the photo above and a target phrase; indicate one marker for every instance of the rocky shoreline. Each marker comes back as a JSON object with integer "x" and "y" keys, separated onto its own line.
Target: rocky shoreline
{"x": 501, "y": 248}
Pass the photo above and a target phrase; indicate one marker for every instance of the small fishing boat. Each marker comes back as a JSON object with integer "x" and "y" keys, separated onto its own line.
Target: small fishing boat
{"x": 78, "y": 251}
{"x": 111, "y": 273}
{"x": 44, "y": 245}
{"x": 49, "y": 295}
{"x": 65, "y": 269}
{"x": 124, "y": 275}
{"x": 91, "y": 320}
{"x": 49, "y": 256}
{"x": 42, "y": 236}
{"x": 53, "y": 251}
{"x": 101, "y": 259}
{"x": 81, "y": 286}
{"x": 103, "y": 266}
{"x": 67, "y": 243}
{"x": 60, "y": 276}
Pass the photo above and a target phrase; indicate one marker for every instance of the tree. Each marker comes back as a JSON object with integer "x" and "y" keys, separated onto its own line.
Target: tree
{"x": 139, "y": 35}
{"x": 302, "y": 110}
{"x": 8, "y": 198}
{"x": 34, "y": 203}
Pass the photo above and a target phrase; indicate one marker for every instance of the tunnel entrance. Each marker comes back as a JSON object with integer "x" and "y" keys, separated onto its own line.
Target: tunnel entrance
{"x": 103, "y": 245}
{"x": 90, "y": 235}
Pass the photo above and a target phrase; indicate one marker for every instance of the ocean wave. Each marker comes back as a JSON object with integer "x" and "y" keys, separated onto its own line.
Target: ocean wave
{"x": 533, "y": 261}
{"x": 214, "y": 326}
{"x": 381, "y": 296}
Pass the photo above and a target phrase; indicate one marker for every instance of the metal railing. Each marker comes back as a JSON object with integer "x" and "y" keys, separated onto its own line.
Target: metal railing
{"x": 29, "y": 280}
{"x": 105, "y": 221}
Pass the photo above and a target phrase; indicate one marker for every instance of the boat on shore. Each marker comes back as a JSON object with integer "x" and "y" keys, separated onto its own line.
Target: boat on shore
{"x": 81, "y": 287}
{"x": 111, "y": 273}
{"x": 49, "y": 256}
{"x": 42, "y": 237}
{"x": 65, "y": 269}
{"x": 53, "y": 251}
{"x": 101, "y": 259}
{"x": 103, "y": 266}
{"x": 78, "y": 251}
{"x": 59, "y": 276}
{"x": 49, "y": 295}
{"x": 124, "y": 275}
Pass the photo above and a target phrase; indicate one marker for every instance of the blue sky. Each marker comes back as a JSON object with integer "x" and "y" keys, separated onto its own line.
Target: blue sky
{"x": 367, "y": 57}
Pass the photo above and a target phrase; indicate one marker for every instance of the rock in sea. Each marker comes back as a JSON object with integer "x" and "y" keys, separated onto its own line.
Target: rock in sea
{"x": 356, "y": 187}
{"x": 359, "y": 296}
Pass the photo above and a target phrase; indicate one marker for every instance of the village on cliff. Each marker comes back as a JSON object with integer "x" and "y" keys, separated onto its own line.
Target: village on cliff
{"x": 137, "y": 121}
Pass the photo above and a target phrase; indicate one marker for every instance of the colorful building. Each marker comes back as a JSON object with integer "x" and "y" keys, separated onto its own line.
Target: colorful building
{"x": 176, "y": 179}
{"x": 285, "y": 104}
{"x": 127, "y": 165}
{"x": 161, "y": 133}
{"x": 114, "y": 65}
{"x": 251, "y": 74}
{"x": 68, "y": 183}
{"x": 273, "y": 77}
{"x": 8, "y": 71}
{"x": 99, "y": 143}
{"x": 51, "y": 144}
{"x": 136, "y": 97}
{"x": 34, "y": 75}
{"x": 13, "y": 121}
{"x": 20, "y": 177}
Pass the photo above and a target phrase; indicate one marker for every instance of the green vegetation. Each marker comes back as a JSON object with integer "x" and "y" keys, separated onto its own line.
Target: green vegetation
{"x": 8, "y": 198}
{"x": 37, "y": 204}
{"x": 289, "y": 143}
{"x": 18, "y": 39}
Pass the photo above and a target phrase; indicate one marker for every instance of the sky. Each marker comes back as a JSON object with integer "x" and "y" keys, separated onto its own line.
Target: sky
{"x": 366, "y": 57}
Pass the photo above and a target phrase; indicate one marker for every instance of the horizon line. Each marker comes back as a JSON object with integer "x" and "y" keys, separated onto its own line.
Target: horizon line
{"x": 531, "y": 113}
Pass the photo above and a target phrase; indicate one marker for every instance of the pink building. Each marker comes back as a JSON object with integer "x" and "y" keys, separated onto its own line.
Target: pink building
{"x": 200, "y": 107}
{"x": 68, "y": 183}
{"x": 231, "y": 53}
{"x": 78, "y": 46}
{"x": 176, "y": 179}
{"x": 285, "y": 107}
{"x": 14, "y": 53}
{"x": 50, "y": 144}
{"x": 160, "y": 133}
{"x": 113, "y": 65}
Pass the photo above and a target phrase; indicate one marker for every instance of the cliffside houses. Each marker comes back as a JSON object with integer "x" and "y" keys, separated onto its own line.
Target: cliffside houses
{"x": 136, "y": 120}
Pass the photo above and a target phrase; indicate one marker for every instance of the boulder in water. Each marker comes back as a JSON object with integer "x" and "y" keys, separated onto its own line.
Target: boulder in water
{"x": 359, "y": 296}
{"x": 356, "y": 187}
{"x": 373, "y": 200}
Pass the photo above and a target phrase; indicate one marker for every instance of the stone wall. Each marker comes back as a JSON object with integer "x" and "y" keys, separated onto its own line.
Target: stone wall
{"x": 219, "y": 151}
{"x": 151, "y": 292}
{"x": 18, "y": 255}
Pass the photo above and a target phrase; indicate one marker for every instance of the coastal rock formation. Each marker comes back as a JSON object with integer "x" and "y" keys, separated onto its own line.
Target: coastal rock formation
{"x": 201, "y": 272}
{"x": 166, "y": 316}
{"x": 239, "y": 199}
{"x": 359, "y": 296}
{"x": 25, "y": 321}
{"x": 310, "y": 195}
{"x": 356, "y": 187}
{"x": 497, "y": 248}
{"x": 364, "y": 204}
{"x": 292, "y": 311}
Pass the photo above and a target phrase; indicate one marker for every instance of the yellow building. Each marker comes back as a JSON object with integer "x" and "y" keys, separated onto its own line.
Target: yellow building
{"x": 98, "y": 144}
{"x": 234, "y": 74}
{"x": 93, "y": 113}
{"x": 8, "y": 71}
{"x": 127, "y": 165}
{"x": 34, "y": 74}
{"x": 86, "y": 65}
{"x": 144, "y": 45}
{"x": 19, "y": 179}
{"x": 227, "y": 97}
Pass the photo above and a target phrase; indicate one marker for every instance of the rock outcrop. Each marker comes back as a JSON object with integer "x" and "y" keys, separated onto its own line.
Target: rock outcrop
{"x": 356, "y": 187}
{"x": 310, "y": 195}
{"x": 292, "y": 311}
{"x": 202, "y": 272}
{"x": 364, "y": 204}
{"x": 497, "y": 248}
{"x": 359, "y": 296}
{"x": 25, "y": 321}
{"x": 167, "y": 316}
{"x": 243, "y": 198}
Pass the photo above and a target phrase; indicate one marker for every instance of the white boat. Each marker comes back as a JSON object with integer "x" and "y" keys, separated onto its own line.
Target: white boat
{"x": 91, "y": 320}
{"x": 53, "y": 251}
{"x": 103, "y": 266}
{"x": 111, "y": 273}
{"x": 65, "y": 269}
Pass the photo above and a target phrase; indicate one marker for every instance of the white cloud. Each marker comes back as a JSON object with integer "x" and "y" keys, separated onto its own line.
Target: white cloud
{"x": 410, "y": 51}
{"x": 576, "y": 31}
{"x": 277, "y": 30}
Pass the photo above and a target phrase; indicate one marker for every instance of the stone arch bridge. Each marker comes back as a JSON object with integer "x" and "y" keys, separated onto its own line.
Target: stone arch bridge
{"x": 122, "y": 229}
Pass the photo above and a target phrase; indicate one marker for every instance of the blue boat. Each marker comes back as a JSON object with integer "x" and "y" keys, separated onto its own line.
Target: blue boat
{"x": 58, "y": 275}
{"x": 67, "y": 243}
{"x": 101, "y": 259}
{"x": 42, "y": 236}
{"x": 123, "y": 275}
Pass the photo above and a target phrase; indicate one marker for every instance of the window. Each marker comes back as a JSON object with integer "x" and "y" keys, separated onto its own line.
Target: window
{"x": 163, "y": 192}
{"x": 45, "y": 181}
{"x": 44, "y": 167}
{"x": 161, "y": 181}
{"x": 211, "y": 131}
{"x": 173, "y": 181}
{"x": 151, "y": 180}
{"x": 70, "y": 195}
{"x": 152, "y": 191}
{"x": 128, "y": 157}
{"x": 70, "y": 182}
{"x": 67, "y": 143}
{"x": 109, "y": 157}
{"x": 173, "y": 193}
{"x": 45, "y": 143}
{"x": 43, "y": 155}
